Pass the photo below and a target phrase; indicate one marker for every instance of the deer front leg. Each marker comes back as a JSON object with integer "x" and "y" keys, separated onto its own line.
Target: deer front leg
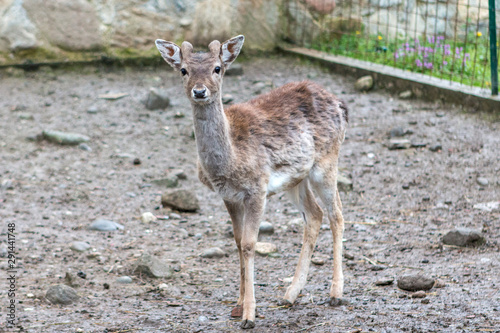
{"x": 253, "y": 213}
{"x": 237, "y": 211}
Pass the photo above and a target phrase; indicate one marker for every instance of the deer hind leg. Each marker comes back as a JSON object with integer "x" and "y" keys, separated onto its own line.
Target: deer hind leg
{"x": 325, "y": 184}
{"x": 304, "y": 200}
{"x": 237, "y": 212}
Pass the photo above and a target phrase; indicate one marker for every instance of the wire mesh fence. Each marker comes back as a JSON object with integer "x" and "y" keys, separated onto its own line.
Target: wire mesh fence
{"x": 455, "y": 40}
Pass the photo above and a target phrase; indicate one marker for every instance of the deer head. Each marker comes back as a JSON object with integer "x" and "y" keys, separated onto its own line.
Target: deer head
{"x": 201, "y": 72}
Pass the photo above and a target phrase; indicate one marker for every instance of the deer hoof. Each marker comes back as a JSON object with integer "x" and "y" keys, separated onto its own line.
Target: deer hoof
{"x": 334, "y": 301}
{"x": 284, "y": 302}
{"x": 247, "y": 324}
{"x": 237, "y": 311}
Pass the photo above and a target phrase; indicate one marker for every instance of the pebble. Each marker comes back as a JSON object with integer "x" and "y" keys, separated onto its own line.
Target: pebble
{"x": 235, "y": 69}
{"x": 396, "y": 132}
{"x": 348, "y": 256}
{"x": 84, "y": 147}
{"x": 7, "y": 184}
{"x": 105, "y": 225}
{"x": 415, "y": 282}
{"x": 167, "y": 182}
{"x": 439, "y": 284}
{"x": 377, "y": 268}
{"x": 407, "y": 94}
{"x": 399, "y": 144}
{"x": 343, "y": 183}
{"x": 463, "y": 237}
{"x": 131, "y": 194}
{"x": 156, "y": 100}
{"x": 93, "y": 110}
{"x": 364, "y": 83}
{"x": 436, "y": 147}
{"x": 202, "y": 319}
{"x": 482, "y": 181}
{"x": 64, "y": 138}
{"x": 61, "y": 294}
{"x": 175, "y": 216}
{"x": 213, "y": 252}
{"x": 30, "y": 295}
{"x": 418, "y": 294}
{"x": 385, "y": 281}
{"x": 148, "y": 217}
{"x": 288, "y": 279}
{"x": 265, "y": 249}
{"x": 182, "y": 200}
{"x": 152, "y": 267}
{"x": 266, "y": 228}
{"x": 124, "y": 279}
{"x": 198, "y": 236}
{"x": 318, "y": 261}
{"x": 79, "y": 246}
{"x": 163, "y": 286}
{"x": 488, "y": 206}
{"x": 227, "y": 98}
{"x": 179, "y": 173}
{"x": 136, "y": 161}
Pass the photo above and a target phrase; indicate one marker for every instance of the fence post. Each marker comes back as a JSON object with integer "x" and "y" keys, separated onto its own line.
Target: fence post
{"x": 493, "y": 49}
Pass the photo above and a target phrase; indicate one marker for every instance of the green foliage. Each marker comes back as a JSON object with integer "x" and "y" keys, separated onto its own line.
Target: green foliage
{"x": 465, "y": 61}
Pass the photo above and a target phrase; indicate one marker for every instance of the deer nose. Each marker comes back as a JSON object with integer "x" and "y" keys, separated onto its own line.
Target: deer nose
{"x": 199, "y": 93}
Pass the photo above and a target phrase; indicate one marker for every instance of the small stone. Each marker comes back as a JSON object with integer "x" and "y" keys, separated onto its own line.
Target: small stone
{"x": 84, "y": 147}
{"x": 344, "y": 184}
{"x": 418, "y": 294}
{"x": 131, "y": 194}
{"x": 181, "y": 200}
{"x": 425, "y": 301}
{"x": 202, "y": 319}
{"x": 148, "y": 217}
{"x": 175, "y": 216}
{"x": 61, "y": 294}
{"x": 124, "y": 279}
{"x": 439, "y": 284}
{"x": 79, "y": 246}
{"x": 30, "y": 295}
{"x": 415, "y": 282}
{"x": 364, "y": 83}
{"x": 198, "y": 235}
{"x": 266, "y": 228}
{"x": 81, "y": 274}
{"x": 377, "y": 268}
{"x": 105, "y": 285}
{"x": 488, "y": 206}
{"x": 384, "y": 282}
{"x": 348, "y": 256}
{"x": 318, "y": 261}
{"x": 406, "y": 186}
{"x": 440, "y": 114}
{"x": 399, "y": 144}
{"x": 26, "y": 116}
{"x": 93, "y": 110}
{"x": 167, "y": 182}
{"x": 288, "y": 280}
{"x": 415, "y": 144}
{"x": 179, "y": 173}
{"x": 436, "y": 147}
{"x": 105, "y": 225}
{"x": 7, "y": 184}
{"x": 482, "y": 181}
{"x": 265, "y": 249}
{"x": 227, "y": 98}
{"x": 152, "y": 267}
{"x": 397, "y": 132}
{"x": 235, "y": 69}
{"x": 463, "y": 237}
{"x": 136, "y": 161}
{"x": 156, "y": 100}
{"x": 407, "y": 94}
{"x": 179, "y": 115}
{"x": 163, "y": 286}
{"x": 64, "y": 138}
{"x": 213, "y": 252}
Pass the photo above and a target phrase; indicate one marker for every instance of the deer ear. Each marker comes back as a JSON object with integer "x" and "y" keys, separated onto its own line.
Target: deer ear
{"x": 170, "y": 52}
{"x": 230, "y": 49}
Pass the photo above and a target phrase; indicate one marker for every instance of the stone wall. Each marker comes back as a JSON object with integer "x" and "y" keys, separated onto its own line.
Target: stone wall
{"x": 80, "y": 26}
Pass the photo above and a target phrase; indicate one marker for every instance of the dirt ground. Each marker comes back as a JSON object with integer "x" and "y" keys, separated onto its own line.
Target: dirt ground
{"x": 52, "y": 193}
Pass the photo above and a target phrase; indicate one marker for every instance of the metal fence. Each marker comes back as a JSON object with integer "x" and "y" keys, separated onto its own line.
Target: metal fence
{"x": 456, "y": 40}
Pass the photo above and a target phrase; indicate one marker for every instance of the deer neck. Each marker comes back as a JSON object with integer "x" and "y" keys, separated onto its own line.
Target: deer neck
{"x": 213, "y": 139}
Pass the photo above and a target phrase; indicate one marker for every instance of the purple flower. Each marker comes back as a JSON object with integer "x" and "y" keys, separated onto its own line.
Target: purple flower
{"x": 430, "y": 39}
{"x": 418, "y": 62}
{"x": 445, "y": 62}
{"x": 428, "y": 65}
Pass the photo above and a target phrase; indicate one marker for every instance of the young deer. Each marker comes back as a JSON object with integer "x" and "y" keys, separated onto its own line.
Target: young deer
{"x": 286, "y": 140}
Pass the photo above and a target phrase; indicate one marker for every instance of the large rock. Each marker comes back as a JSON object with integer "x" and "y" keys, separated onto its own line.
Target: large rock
{"x": 364, "y": 83}
{"x": 61, "y": 294}
{"x": 182, "y": 200}
{"x": 156, "y": 99}
{"x": 415, "y": 282}
{"x": 152, "y": 267}
{"x": 463, "y": 237}
{"x": 17, "y": 32}
{"x": 69, "y": 24}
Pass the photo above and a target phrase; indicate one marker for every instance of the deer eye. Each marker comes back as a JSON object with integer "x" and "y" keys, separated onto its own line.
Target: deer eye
{"x": 217, "y": 70}
{"x": 184, "y": 71}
